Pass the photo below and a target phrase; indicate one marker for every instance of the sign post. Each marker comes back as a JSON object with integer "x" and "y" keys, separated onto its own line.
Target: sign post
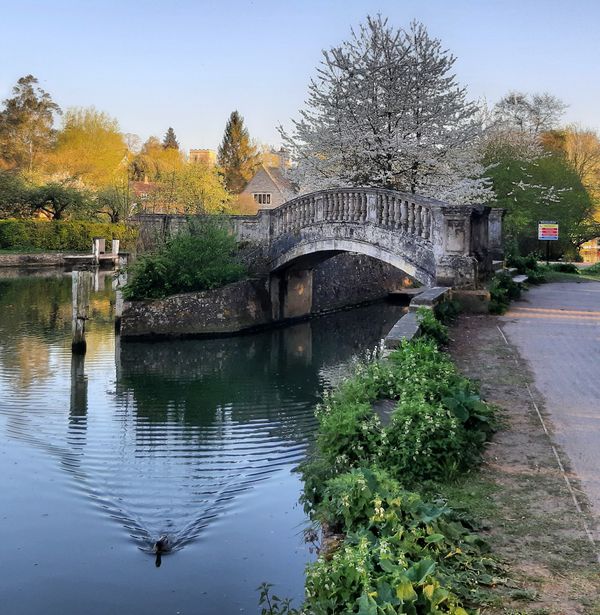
{"x": 547, "y": 231}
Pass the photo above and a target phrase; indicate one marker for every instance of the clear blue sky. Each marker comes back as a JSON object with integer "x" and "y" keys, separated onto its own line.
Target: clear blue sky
{"x": 189, "y": 63}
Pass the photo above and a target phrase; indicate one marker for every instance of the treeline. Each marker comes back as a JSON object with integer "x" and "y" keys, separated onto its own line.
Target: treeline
{"x": 89, "y": 169}
{"x": 540, "y": 170}
{"x": 385, "y": 108}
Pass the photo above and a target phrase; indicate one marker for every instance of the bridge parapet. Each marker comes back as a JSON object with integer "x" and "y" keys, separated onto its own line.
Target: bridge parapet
{"x": 384, "y": 208}
{"x": 432, "y": 241}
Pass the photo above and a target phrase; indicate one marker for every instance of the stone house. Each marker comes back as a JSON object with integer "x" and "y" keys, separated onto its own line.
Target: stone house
{"x": 269, "y": 188}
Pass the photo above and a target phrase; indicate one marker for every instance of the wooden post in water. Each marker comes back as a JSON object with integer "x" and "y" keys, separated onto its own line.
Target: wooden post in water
{"x": 119, "y": 281}
{"x": 82, "y": 286}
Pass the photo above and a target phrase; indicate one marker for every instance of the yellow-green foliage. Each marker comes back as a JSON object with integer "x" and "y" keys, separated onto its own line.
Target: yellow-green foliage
{"x": 73, "y": 235}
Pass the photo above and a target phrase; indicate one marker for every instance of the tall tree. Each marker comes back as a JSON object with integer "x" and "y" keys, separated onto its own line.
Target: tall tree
{"x": 26, "y": 125}
{"x": 90, "y": 148}
{"x": 237, "y": 156}
{"x": 170, "y": 140}
{"x": 385, "y": 110}
{"x": 155, "y": 162}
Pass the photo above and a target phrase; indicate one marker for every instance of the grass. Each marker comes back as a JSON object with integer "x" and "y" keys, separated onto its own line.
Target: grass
{"x": 591, "y": 274}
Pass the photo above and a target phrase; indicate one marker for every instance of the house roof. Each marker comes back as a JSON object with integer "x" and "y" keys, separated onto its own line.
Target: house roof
{"x": 144, "y": 188}
{"x": 278, "y": 179}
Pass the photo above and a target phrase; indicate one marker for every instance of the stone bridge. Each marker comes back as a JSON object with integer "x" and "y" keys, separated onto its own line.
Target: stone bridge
{"x": 433, "y": 242}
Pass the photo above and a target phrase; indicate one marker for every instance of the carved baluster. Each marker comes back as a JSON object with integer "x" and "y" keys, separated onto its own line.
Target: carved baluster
{"x": 418, "y": 220}
{"x": 364, "y": 207}
{"x": 426, "y": 222}
{"x": 396, "y": 213}
{"x": 411, "y": 218}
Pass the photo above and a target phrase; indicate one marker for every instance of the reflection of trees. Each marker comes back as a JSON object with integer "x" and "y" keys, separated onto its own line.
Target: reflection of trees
{"x": 43, "y": 304}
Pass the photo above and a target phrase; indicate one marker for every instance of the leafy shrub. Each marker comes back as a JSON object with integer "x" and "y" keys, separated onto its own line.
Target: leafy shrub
{"x": 447, "y": 311}
{"x": 524, "y": 264}
{"x": 201, "y": 258}
{"x": 565, "y": 268}
{"x": 593, "y": 269}
{"x": 503, "y": 289}
{"x": 536, "y": 276}
{"x": 400, "y": 553}
{"x": 431, "y": 327}
{"x": 73, "y": 235}
{"x": 437, "y": 428}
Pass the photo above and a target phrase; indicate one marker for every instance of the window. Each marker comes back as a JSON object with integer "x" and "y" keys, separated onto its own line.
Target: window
{"x": 262, "y": 198}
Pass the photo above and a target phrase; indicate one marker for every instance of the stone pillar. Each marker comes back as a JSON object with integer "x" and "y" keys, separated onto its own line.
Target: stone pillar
{"x": 495, "y": 233}
{"x": 451, "y": 237}
{"x": 297, "y": 300}
{"x": 81, "y": 288}
{"x": 276, "y": 286}
{"x": 114, "y": 247}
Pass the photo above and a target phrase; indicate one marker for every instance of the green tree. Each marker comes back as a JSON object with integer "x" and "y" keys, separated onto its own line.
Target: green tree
{"x": 155, "y": 162}
{"x": 237, "y": 156}
{"x": 57, "y": 200}
{"x": 90, "y": 148}
{"x": 193, "y": 189}
{"x": 115, "y": 202}
{"x": 170, "y": 140}
{"x": 14, "y": 196}
{"x": 26, "y": 125}
{"x": 546, "y": 188}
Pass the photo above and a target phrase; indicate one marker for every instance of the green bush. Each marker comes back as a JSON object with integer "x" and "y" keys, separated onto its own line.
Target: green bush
{"x": 200, "y": 258}
{"x": 75, "y": 235}
{"x": 437, "y": 429}
{"x": 592, "y": 270}
{"x": 392, "y": 552}
{"x": 523, "y": 264}
{"x": 431, "y": 326}
{"x": 447, "y": 311}
{"x": 565, "y": 268}
{"x": 399, "y": 554}
{"x": 503, "y": 289}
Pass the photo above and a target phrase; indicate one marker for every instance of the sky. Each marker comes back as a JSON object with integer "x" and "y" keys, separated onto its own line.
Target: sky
{"x": 189, "y": 63}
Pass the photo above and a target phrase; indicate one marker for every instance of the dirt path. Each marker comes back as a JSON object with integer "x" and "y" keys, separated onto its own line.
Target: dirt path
{"x": 521, "y": 494}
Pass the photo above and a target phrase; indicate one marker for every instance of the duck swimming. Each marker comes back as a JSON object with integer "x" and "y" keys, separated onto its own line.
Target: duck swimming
{"x": 162, "y": 545}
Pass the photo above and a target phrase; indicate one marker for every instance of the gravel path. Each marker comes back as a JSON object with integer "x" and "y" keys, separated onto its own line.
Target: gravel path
{"x": 556, "y": 328}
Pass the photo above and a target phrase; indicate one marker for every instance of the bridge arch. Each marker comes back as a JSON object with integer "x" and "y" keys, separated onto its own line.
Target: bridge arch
{"x": 303, "y": 251}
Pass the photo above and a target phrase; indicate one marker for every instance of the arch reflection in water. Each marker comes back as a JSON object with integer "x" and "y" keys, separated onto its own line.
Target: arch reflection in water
{"x": 208, "y": 419}
{"x": 168, "y": 439}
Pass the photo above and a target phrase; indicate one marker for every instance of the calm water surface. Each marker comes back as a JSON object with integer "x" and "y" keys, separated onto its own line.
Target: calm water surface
{"x": 197, "y": 439}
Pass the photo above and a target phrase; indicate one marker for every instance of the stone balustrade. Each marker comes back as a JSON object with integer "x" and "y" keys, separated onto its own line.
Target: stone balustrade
{"x": 385, "y": 208}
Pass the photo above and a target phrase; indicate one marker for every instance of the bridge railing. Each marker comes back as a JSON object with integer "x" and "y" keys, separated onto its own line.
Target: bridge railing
{"x": 384, "y": 208}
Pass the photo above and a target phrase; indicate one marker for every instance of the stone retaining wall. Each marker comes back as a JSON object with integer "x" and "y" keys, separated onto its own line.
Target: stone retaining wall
{"x": 42, "y": 259}
{"x": 230, "y": 309}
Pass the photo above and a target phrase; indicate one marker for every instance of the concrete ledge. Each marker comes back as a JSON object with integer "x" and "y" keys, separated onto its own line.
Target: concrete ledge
{"x": 520, "y": 279}
{"x": 407, "y": 328}
{"x": 429, "y": 298}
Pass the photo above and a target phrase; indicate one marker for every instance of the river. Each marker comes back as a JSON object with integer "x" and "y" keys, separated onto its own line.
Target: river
{"x": 198, "y": 439}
